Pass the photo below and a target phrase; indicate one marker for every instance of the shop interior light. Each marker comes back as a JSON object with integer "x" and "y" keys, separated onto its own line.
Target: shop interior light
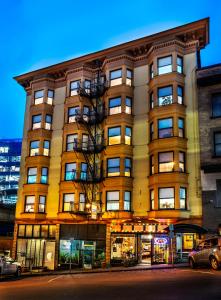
{"x": 88, "y": 205}
{"x": 149, "y": 236}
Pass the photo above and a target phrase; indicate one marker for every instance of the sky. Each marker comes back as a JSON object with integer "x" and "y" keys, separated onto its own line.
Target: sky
{"x": 38, "y": 33}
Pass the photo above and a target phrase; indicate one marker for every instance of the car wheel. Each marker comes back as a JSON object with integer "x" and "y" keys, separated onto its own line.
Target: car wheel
{"x": 192, "y": 264}
{"x": 214, "y": 263}
{"x": 18, "y": 272}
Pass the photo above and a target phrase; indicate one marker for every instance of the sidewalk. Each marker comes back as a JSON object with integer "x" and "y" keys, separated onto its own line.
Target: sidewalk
{"x": 140, "y": 267}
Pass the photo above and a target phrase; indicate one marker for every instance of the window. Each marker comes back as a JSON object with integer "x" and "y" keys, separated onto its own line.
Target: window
{"x": 83, "y": 171}
{"x": 216, "y": 105}
{"x": 115, "y": 77}
{"x": 42, "y": 203}
{"x": 44, "y": 175}
{"x": 151, "y": 164}
{"x": 180, "y": 94}
{"x": 181, "y": 127}
{"x": 165, "y": 95}
{"x": 36, "y": 121}
{"x": 71, "y": 142}
{"x": 128, "y": 105}
{"x": 217, "y": 143}
{"x": 87, "y": 86}
{"x": 68, "y": 202}
{"x": 85, "y": 140}
{"x": 166, "y": 198}
{"x": 166, "y": 162}
{"x": 165, "y": 128}
{"x": 81, "y": 202}
{"x": 39, "y": 97}
{"x": 151, "y": 131}
{"x": 151, "y": 199}
{"x": 151, "y": 101}
{"x": 46, "y": 148}
{"x": 181, "y": 161}
{"x": 74, "y": 87}
{"x": 34, "y": 148}
{"x": 127, "y": 167}
{"x": 70, "y": 171}
{"x": 164, "y": 65}
{"x": 182, "y": 198}
{"x": 114, "y": 106}
{"x": 48, "y": 121}
{"x": 127, "y": 201}
{"x": 29, "y": 204}
{"x": 151, "y": 71}
{"x": 32, "y": 175}
{"x": 179, "y": 62}
{"x": 128, "y": 134}
{"x": 72, "y": 112}
{"x": 113, "y": 198}
{"x": 114, "y": 135}
{"x": 129, "y": 77}
{"x": 50, "y": 97}
{"x": 113, "y": 167}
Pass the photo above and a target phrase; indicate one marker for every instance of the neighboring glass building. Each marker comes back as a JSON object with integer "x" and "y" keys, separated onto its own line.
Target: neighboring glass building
{"x": 10, "y": 156}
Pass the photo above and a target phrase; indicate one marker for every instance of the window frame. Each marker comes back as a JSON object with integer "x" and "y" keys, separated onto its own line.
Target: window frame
{"x": 68, "y": 143}
{"x": 212, "y": 104}
{"x": 113, "y": 107}
{"x": 48, "y": 125}
{"x": 75, "y": 89}
{"x": 129, "y": 168}
{"x": 30, "y": 176}
{"x": 113, "y": 167}
{"x": 215, "y": 144}
{"x": 40, "y": 123}
{"x": 185, "y": 199}
{"x": 76, "y": 107}
{"x": 50, "y": 102}
{"x": 44, "y": 176}
{"x": 129, "y": 79}
{"x": 30, "y": 148}
{"x": 171, "y": 64}
{"x": 128, "y": 137}
{"x": 44, "y": 148}
{"x": 179, "y": 128}
{"x": 130, "y": 202}
{"x": 181, "y": 97}
{"x": 35, "y": 92}
{"x": 108, "y": 136}
{"x": 184, "y": 162}
{"x": 152, "y": 199}
{"x": 171, "y": 95}
{"x": 159, "y": 163}
{"x": 44, "y": 204}
{"x": 180, "y": 57}
{"x": 25, "y": 204}
{"x": 65, "y": 172}
{"x": 63, "y": 202}
{"x": 158, "y": 121}
{"x": 174, "y": 196}
{"x": 116, "y": 78}
{"x": 111, "y": 201}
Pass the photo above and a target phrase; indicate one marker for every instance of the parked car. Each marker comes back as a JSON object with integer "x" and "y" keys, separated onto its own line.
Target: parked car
{"x": 8, "y": 266}
{"x": 208, "y": 252}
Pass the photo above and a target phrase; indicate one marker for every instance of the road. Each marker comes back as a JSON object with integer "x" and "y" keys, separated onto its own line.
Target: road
{"x": 171, "y": 284}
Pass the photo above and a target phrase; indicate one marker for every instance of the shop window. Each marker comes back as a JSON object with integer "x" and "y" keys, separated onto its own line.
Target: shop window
{"x": 129, "y": 77}
{"x": 32, "y": 175}
{"x": 72, "y": 112}
{"x": 128, "y": 135}
{"x": 46, "y": 148}
{"x": 151, "y": 199}
{"x": 74, "y": 86}
{"x": 165, "y": 95}
{"x": 164, "y": 65}
{"x": 166, "y": 198}
{"x": 81, "y": 202}
{"x": 180, "y": 94}
{"x": 48, "y": 122}
{"x": 151, "y": 131}
{"x": 151, "y": 71}
{"x": 52, "y": 231}
{"x": 71, "y": 142}
{"x": 127, "y": 167}
{"x": 122, "y": 246}
{"x": 39, "y": 97}
{"x": 50, "y": 97}
{"x": 165, "y": 128}
{"x": 34, "y": 148}
{"x": 113, "y": 198}
{"x": 114, "y": 135}
{"x": 21, "y": 230}
{"x": 151, "y": 101}
{"x": 68, "y": 202}
{"x": 42, "y": 203}
{"x": 116, "y": 77}
{"x": 127, "y": 200}
{"x": 44, "y": 231}
{"x": 36, "y": 122}
{"x": 166, "y": 162}
{"x": 70, "y": 171}
{"x": 216, "y": 105}
{"x": 181, "y": 127}
{"x": 29, "y": 204}
{"x": 115, "y": 106}
{"x": 182, "y": 198}
{"x": 179, "y": 62}
{"x": 113, "y": 167}
{"x": 128, "y": 105}
{"x": 83, "y": 171}
{"x": 217, "y": 143}
{"x": 29, "y": 231}
{"x": 151, "y": 164}
{"x": 182, "y": 162}
{"x": 44, "y": 175}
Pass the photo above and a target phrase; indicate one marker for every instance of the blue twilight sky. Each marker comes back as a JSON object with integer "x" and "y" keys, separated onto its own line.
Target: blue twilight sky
{"x": 38, "y": 33}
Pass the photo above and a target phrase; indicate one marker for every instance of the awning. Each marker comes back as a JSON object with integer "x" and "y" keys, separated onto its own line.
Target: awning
{"x": 188, "y": 228}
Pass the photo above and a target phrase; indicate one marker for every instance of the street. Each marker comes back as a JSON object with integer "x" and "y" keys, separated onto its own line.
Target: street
{"x": 161, "y": 284}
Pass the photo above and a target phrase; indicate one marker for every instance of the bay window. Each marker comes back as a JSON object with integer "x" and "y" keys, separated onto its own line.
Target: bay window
{"x": 128, "y": 135}
{"x": 39, "y": 97}
{"x": 151, "y": 164}
{"x": 42, "y": 204}
{"x": 34, "y": 148}
{"x": 128, "y": 105}
{"x": 44, "y": 175}
{"x": 68, "y": 202}
{"x": 179, "y": 62}
{"x": 165, "y": 95}
{"x": 151, "y": 131}
{"x": 182, "y": 198}
{"x": 166, "y": 198}
{"x": 127, "y": 201}
{"x": 166, "y": 163}
{"x": 151, "y": 101}
{"x": 113, "y": 167}
{"x": 165, "y": 128}
{"x": 36, "y": 121}
{"x": 181, "y": 161}
{"x": 114, "y": 135}
{"x": 115, "y": 106}
{"x": 72, "y": 112}
{"x": 164, "y": 65}
{"x": 180, "y": 94}
{"x": 29, "y": 204}
{"x": 46, "y": 148}
{"x": 32, "y": 175}
{"x": 74, "y": 86}
{"x": 116, "y": 77}
{"x": 70, "y": 171}
{"x": 113, "y": 198}
{"x": 129, "y": 77}
{"x": 127, "y": 167}
{"x": 50, "y": 97}
{"x": 181, "y": 127}
{"x": 152, "y": 200}
{"x": 48, "y": 122}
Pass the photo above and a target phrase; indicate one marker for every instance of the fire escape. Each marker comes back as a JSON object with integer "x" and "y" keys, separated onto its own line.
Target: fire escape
{"x": 90, "y": 117}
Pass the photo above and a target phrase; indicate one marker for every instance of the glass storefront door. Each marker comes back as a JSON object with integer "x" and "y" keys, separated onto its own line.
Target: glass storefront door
{"x": 160, "y": 250}
{"x": 146, "y": 249}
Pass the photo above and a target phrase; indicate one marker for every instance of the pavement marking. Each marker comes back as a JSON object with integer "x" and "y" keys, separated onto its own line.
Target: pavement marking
{"x": 194, "y": 271}
{"x": 55, "y": 278}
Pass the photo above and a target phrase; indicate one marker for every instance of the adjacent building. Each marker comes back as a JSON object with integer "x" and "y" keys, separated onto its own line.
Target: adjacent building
{"x": 111, "y": 155}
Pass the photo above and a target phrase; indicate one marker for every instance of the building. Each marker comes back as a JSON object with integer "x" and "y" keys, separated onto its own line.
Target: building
{"x": 209, "y": 99}
{"x": 10, "y": 155}
{"x": 110, "y": 155}
{"x": 7, "y": 218}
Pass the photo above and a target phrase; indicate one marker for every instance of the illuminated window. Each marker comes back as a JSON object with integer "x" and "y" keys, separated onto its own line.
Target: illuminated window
{"x": 181, "y": 161}
{"x": 151, "y": 131}
{"x": 182, "y": 198}
{"x": 166, "y": 162}
{"x": 4, "y": 149}
{"x": 41, "y": 204}
{"x": 36, "y": 121}
{"x": 71, "y": 142}
{"x": 216, "y": 105}
{"x": 151, "y": 71}
{"x": 39, "y": 97}
{"x": 29, "y": 204}
{"x": 128, "y": 105}
{"x": 34, "y": 148}
{"x": 165, "y": 95}
{"x": 81, "y": 202}
{"x": 180, "y": 94}
{"x": 68, "y": 202}
{"x": 74, "y": 86}
{"x": 72, "y": 112}
{"x": 116, "y": 77}
{"x": 32, "y": 175}
{"x": 44, "y": 175}
{"x": 113, "y": 167}
{"x": 217, "y": 143}
{"x": 179, "y": 62}
{"x": 70, "y": 171}
{"x": 151, "y": 199}
{"x": 113, "y": 198}
{"x": 127, "y": 167}
{"x": 151, "y": 164}
{"x": 151, "y": 101}
{"x": 115, "y": 106}
{"x": 50, "y": 97}
{"x": 46, "y": 148}
{"x": 114, "y": 135}
{"x": 127, "y": 200}
{"x": 164, "y": 65}
{"x": 128, "y": 135}
{"x": 181, "y": 127}
{"x": 83, "y": 171}
{"x": 129, "y": 77}
{"x": 165, "y": 128}
{"x": 48, "y": 122}
{"x": 166, "y": 198}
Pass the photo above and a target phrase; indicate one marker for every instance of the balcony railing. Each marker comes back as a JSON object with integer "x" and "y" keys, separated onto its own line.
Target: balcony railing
{"x": 87, "y": 177}
{"x": 89, "y": 146}
{"x": 94, "y": 90}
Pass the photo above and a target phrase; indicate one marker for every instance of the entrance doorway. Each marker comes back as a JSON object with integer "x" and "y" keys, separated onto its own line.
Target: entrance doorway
{"x": 160, "y": 250}
{"x": 146, "y": 249}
